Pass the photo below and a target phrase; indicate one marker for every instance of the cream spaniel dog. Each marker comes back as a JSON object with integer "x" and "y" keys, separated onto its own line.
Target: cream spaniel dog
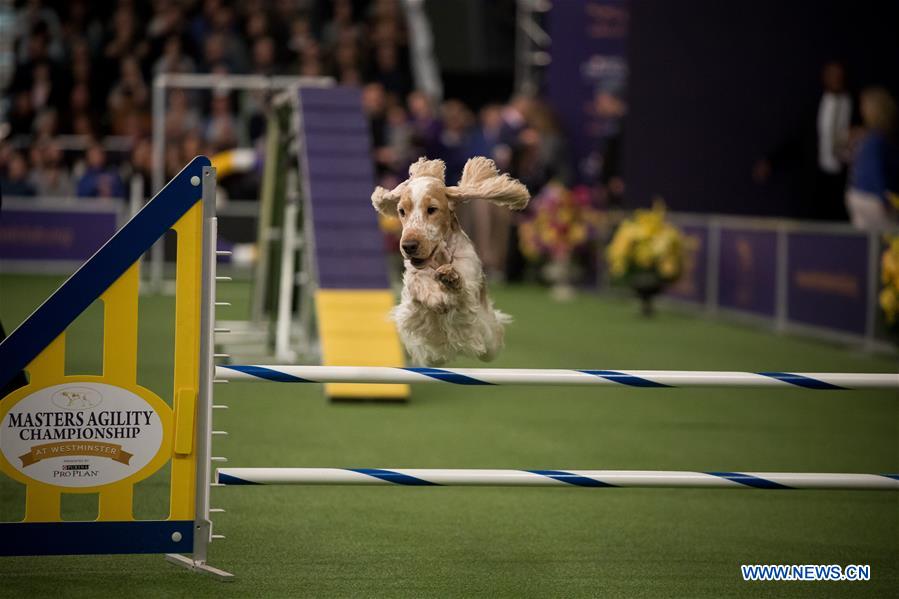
{"x": 444, "y": 309}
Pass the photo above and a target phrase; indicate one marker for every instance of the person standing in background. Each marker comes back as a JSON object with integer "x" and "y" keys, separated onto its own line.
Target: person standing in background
{"x": 491, "y": 223}
{"x": 834, "y": 115}
{"x": 816, "y": 156}
{"x": 875, "y": 168}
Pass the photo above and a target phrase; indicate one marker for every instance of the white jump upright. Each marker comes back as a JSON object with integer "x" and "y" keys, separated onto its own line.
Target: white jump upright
{"x": 647, "y": 379}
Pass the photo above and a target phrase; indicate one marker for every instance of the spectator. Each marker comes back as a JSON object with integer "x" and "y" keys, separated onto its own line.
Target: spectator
{"x": 81, "y": 26}
{"x": 425, "y": 125}
{"x": 79, "y": 105}
{"x": 490, "y": 223}
{"x": 341, "y": 22}
{"x": 374, "y": 103}
{"x": 125, "y": 37}
{"x": 235, "y": 52}
{"x": 167, "y": 22}
{"x": 45, "y": 40}
{"x": 388, "y": 71}
{"x": 180, "y": 118}
{"x": 875, "y": 168}
{"x": 50, "y": 177}
{"x": 192, "y": 146}
{"x": 21, "y": 115}
{"x": 311, "y": 60}
{"x": 834, "y": 114}
{"x": 214, "y": 52}
{"x": 540, "y": 153}
{"x": 99, "y": 180}
{"x": 81, "y": 64}
{"x": 45, "y": 91}
{"x": 129, "y": 95}
{"x": 257, "y": 26}
{"x": 399, "y": 139}
{"x": 45, "y": 124}
{"x": 142, "y": 160}
{"x": 488, "y": 139}
{"x": 346, "y": 59}
{"x": 221, "y": 128}
{"x": 300, "y": 35}
{"x": 264, "y": 56}
{"x": 35, "y": 51}
{"x": 453, "y": 145}
{"x": 15, "y": 182}
{"x": 173, "y": 60}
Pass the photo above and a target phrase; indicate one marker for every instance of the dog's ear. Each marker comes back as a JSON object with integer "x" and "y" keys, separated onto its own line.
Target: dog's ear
{"x": 481, "y": 180}
{"x": 385, "y": 201}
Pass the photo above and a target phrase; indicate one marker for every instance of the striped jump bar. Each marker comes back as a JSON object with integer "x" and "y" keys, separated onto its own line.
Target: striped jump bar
{"x": 415, "y": 477}
{"x": 532, "y": 376}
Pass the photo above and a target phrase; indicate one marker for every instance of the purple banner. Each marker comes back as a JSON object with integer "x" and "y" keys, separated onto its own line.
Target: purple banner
{"x": 827, "y": 280}
{"x": 54, "y": 234}
{"x": 747, "y": 271}
{"x": 692, "y": 284}
{"x": 587, "y": 78}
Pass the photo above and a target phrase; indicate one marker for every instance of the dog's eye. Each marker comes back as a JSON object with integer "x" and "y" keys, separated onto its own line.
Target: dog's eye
{"x": 402, "y": 212}
{"x": 432, "y": 209}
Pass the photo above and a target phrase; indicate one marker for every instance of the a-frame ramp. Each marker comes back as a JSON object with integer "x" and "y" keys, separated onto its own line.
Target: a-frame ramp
{"x": 353, "y": 295}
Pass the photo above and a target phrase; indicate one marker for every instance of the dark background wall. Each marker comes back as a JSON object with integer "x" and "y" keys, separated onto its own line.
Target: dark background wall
{"x": 474, "y": 42}
{"x": 715, "y": 85}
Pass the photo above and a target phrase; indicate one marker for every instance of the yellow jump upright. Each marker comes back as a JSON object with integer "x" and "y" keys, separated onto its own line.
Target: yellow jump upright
{"x": 66, "y": 432}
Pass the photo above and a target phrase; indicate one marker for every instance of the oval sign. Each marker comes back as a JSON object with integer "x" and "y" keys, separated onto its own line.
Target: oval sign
{"x": 80, "y": 434}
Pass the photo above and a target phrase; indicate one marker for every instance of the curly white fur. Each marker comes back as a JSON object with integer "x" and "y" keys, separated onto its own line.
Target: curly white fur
{"x": 444, "y": 308}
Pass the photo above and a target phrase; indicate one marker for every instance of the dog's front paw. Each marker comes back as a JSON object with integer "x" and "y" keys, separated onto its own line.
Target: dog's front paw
{"x": 449, "y": 277}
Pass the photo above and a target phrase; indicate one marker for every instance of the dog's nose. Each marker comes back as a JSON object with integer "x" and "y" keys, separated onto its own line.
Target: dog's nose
{"x": 410, "y": 247}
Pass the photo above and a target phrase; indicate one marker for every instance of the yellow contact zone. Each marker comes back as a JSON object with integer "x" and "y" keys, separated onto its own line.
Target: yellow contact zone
{"x": 355, "y": 330}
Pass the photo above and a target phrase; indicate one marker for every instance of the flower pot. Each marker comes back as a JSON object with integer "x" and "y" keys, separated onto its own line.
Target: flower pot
{"x": 646, "y": 285}
{"x": 560, "y": 273}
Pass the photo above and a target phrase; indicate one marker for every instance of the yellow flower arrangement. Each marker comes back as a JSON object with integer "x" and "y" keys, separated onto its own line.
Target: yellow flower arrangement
{"x": 646, "y": 243}
{"x": 889, "y": 277}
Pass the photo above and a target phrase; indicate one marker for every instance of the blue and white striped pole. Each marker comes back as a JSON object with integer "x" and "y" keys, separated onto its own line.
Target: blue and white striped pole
{"x": 534, "y": 376}
{"x": 556, "y": 478}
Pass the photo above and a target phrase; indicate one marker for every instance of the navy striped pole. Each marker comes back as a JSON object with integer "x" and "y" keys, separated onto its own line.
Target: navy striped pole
{"x": 416, "y": 477}
{"x": 534, "y": 376}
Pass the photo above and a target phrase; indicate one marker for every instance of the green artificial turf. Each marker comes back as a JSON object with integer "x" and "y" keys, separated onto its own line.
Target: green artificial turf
{"x": 567, "y": 542}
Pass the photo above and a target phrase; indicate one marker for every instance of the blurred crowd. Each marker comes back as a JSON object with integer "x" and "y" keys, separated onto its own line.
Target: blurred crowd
{"x": 83, "y": 73}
